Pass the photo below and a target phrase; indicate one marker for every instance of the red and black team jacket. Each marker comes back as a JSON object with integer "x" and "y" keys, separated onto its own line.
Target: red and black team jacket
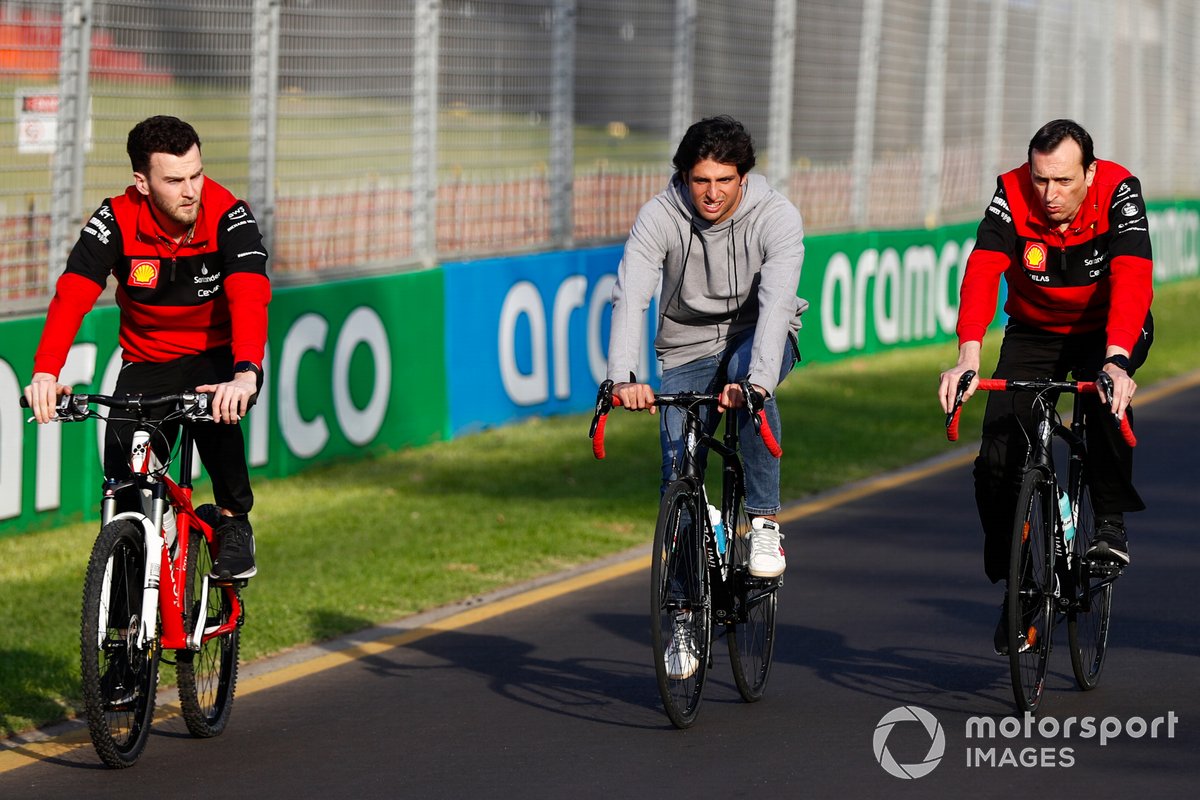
{"x": 1094, "y": 275}
{"x": 209, "y": 291}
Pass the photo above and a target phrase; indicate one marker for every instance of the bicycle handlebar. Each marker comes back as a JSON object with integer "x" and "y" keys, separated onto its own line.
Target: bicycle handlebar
{"x": 195, "y": 406}
{"x": 1102, "y": 382}
{"x": 606, "y": 401}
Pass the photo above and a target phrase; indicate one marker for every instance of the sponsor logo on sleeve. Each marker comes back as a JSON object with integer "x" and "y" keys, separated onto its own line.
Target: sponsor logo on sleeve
{"x": 143, "y": 272}
{"x": 98, "y": 229}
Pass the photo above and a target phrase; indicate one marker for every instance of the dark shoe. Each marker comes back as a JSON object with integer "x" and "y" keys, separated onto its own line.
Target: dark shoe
{"x": 1110, "y": 544}
{"x": 1000, "y": 637}
{"x": 235, "y": 550}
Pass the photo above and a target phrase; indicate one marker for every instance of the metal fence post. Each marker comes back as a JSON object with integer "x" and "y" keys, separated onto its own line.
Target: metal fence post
{"x": 562, "y": 125}
{"x": 1106, "y": 91}
{"x": 264, "y": 115}
{"x": 683, "y": 70}
{"x": 66, "y": 182}
{"x": 1041, "y": 65}
{"x": 783, "y": 58}
{"x": 864, "y": 111}
{"x": 1165, "y": 146}
{"x": 426, "y": 30}
{"x": 934, "y": 122}
{"x": 993, "y": 103}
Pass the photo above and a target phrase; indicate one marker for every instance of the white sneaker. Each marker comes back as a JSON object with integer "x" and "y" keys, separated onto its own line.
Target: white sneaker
{"x": 681, "y": 651}
{"x": 766, "y": 552}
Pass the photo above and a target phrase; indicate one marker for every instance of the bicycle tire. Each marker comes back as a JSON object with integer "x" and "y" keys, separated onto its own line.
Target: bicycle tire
{"x": 680, "y": 602}
{"x": 751, "y": 636}
{"x": 1030, "y": 589}
{"x": 207, "y": 678}
{"x": 1090, "y": 614}
{"x": 119, "y": 679}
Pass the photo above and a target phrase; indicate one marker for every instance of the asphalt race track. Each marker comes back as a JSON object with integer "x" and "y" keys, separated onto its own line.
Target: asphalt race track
{"x": 550, "y": 693}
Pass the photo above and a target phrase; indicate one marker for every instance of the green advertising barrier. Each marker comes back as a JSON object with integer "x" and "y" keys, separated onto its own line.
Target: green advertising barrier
{"x": 881, "y": 289}
{"x": 353, "y": 367}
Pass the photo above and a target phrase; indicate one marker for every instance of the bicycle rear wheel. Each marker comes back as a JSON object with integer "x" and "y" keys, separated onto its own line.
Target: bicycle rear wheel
{"x": 119, "y": 678}
{"x": 680, "y": 603}
{"x": 1030, "y": 589}
{"x": 1089, "y": 616}
{"x": 751, "y": 637}
{"x": 207, "y": 678}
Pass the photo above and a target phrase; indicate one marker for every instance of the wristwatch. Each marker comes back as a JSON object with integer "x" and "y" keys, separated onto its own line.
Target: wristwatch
{"x": 249, "y": 366}
{"x": 1120, "y": 360}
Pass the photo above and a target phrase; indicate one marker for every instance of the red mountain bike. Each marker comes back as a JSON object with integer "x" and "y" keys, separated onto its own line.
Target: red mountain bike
{"x": 148, "y": 589}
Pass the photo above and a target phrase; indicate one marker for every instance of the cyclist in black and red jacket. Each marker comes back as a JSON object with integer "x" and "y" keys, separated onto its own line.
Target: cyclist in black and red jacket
{"x": 1069, "y": 234}
{"x": 192, "y": 286}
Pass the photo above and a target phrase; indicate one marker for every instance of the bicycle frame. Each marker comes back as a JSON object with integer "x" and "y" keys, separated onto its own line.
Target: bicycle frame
{"x": 694, "y": 437}
{"x": 1073, "y": 589}
{"x": 166, "y": 562}
{"x": 724, "y": 593}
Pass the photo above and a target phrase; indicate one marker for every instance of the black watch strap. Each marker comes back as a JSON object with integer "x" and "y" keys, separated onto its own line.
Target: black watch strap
{"x": 249, "y": 366}
{"x": 1120, "y": 360}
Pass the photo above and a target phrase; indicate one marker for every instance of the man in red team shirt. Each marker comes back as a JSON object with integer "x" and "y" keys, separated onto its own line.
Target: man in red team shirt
{"x": 192, "y": 286}
{"x": 1069, "y": 233}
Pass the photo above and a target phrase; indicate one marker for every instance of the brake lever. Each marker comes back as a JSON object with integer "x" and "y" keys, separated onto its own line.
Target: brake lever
{"x": 603, "y": 406}
{"x": 1104, "y": 382}
{"x": 964, "y": 383}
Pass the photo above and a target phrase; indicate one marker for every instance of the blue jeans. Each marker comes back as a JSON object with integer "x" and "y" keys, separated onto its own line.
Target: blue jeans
{"x": 761, "y": 468}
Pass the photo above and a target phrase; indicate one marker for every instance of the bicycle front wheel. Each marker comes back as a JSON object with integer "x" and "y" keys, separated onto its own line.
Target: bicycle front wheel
{"x": 751, "y": 636}
{"x": 1089, "y": 614}
{"x": 207, "y": 678}
{"x": 119, "y": 677}
{"x": 1031, "y": 588}
{"x": 680, "y": 603}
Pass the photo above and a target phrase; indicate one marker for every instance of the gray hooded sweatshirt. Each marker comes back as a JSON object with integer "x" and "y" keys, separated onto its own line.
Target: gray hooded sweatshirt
{"x": 717, "y": 281}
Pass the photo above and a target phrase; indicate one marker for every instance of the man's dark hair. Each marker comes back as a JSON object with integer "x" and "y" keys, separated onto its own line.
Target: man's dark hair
{"x": 1052, "y": 134}
{"x": 722, "y": 139}
{"x": 161, "y": 134}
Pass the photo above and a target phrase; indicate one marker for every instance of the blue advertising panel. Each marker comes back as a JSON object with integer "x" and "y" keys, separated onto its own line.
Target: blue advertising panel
{"x": 529, "y": 335}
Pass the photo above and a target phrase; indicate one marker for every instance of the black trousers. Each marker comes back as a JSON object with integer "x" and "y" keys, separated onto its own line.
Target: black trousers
{"x": 222, "y": 447}
{"x": 1028, "y": 352}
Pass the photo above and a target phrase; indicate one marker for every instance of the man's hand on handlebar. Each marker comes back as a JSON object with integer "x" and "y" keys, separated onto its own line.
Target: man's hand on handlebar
{"x": 42, "y": 394}
{"x": 1123, "y": 388}
{"x": 232, "y": 399}
{"x": 732, "y": 396}
{"x": 968, "y": 361}
{"x": 635, "y": 396}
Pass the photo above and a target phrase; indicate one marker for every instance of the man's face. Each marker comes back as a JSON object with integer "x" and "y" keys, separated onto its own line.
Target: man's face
{"x": 716, "y": 189}
{"x": 1060, "y": 180}
{"x": 173, "y": 186}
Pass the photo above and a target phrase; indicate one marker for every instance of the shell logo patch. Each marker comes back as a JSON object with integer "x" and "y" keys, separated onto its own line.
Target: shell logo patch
{"x": 1035, "y": 256}
{"x": 144, "y": 272}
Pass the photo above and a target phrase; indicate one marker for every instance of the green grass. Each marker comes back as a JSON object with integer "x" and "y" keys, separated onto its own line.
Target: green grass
{"x": 348, "y": 546}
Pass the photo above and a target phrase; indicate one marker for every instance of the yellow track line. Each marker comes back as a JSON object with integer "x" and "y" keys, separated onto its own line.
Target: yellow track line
{"x": 59, "y": 745}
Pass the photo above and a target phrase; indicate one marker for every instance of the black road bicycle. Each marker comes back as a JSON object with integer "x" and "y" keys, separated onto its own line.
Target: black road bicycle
{"x": 1050, "y": 577}
{"x": 700, "y": 580}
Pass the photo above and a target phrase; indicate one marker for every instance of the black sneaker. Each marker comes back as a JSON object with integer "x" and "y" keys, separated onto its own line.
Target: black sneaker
{"x": 1110, "y": 544}
{"x": 235, "y": 550}
{"x": 1000, "y": 637}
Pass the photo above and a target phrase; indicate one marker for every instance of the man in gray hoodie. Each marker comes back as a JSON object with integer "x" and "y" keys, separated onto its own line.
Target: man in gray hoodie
{"x": 727, "y": 249}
